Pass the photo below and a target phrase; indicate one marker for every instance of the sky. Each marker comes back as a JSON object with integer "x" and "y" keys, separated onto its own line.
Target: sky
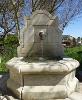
{"x": 74, "y": 28}
{"x": 1, "y": 30}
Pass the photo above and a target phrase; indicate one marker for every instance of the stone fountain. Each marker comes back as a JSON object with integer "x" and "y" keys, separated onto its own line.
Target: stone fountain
{"x": 41, "y": 72}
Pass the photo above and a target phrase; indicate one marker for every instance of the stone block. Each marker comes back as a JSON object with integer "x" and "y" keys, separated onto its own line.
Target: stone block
{"x": 40, "y": 79}
{"x": 44, "y": 92}
{"x": 15, "y": 87}
{"x": 75, "y": 96}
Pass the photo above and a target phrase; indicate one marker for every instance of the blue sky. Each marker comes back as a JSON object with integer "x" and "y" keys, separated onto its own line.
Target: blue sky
{"x": 74, "y": 28}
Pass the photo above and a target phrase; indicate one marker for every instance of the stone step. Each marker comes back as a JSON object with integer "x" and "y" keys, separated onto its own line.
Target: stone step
{"x": 75, "y": 96}
{"x": 12, "y": 98}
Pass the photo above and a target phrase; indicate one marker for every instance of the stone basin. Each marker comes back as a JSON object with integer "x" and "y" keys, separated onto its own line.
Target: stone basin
{"x": 49, "y": 66}
{"x": 42, "y": 80}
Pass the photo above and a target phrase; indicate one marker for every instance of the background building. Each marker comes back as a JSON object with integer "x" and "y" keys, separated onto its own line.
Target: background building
{"x": 69, "y": 41}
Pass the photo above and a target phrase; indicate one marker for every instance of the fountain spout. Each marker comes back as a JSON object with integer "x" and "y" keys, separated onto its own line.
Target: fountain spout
{"x": 42, "y": 35}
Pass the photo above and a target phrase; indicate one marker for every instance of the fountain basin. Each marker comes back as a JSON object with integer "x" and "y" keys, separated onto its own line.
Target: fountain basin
{"x": 42, "y": 80}
{"x": 62, "y": 66}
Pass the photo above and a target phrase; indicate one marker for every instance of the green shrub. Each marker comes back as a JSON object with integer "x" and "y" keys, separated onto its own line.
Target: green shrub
{"x": 8, "y": 50}
{"x": 11, "y": 39}
{"x": 8, "y": 53}
{"x": 76, "y": 53}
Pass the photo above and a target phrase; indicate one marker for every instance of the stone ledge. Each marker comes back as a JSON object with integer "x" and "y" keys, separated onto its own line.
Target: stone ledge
{"x": 44, "y": 92}
{"x": 61, "y": 67}
{"x": 75, "y": 96}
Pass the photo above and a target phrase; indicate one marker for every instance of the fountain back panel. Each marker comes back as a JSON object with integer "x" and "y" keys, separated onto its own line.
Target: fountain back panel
{"x": 41, "y": 37}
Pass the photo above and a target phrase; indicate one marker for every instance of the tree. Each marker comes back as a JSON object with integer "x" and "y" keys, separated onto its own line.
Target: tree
{"x": 49, "y": 5}
{"x": 9, "y": 15}
{"x": 69, "y": 10}
{"x": 10, "y": 11}
{"x": 5, "y": 17}
{"x": 65, "y": 9}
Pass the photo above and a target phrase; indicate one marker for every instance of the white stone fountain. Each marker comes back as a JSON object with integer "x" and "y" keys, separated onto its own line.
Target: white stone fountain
{"x": 40, "y": 72}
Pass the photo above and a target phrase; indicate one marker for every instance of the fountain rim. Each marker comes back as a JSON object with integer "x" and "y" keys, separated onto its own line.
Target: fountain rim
{"x": 66, "y": 65}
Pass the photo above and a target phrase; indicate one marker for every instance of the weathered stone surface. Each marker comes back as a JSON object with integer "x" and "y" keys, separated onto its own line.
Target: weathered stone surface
{"x": 7, "y": 98}
{"x": 80, "y": 87}
{"x": 75, "y": 96}
{"x": 43, "y": 92}
{"x": 41, "y": 21}
{"x": 67, "y": 99}
{"x": 2, "y": 98}
{"x": 56, "y": 79}
{"x": 61, "y": 66}
{"x": 48, "y": 78}
{"x": 15, "y": 87}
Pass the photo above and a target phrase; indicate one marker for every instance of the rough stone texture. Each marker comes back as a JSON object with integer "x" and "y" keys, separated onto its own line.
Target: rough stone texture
{"x": 42, "y": 80}
{"x": 80, "y": 88}
{"x": 67, "y": 99}
{"x": 6, "y": 97}
{"x": 62, "y": 66}
{"x": 2, "y": 98}
{"x": 41, "y": 21}
{"x": 75, "y": 96}
{"x": 12, "y": 98}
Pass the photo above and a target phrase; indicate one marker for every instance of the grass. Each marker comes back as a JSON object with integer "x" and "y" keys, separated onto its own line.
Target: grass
{"x": 11, "y": 51}
{"x": 76, "y": 53}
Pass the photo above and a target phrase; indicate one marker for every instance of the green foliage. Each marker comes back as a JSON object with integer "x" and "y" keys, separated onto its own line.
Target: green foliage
{"x": 8, "y": 53}
{"x": 76, "y": 53}
{"x": 1, "y": 41}
{"x": 11, "y": 40}
{"x": 8, "y": 50}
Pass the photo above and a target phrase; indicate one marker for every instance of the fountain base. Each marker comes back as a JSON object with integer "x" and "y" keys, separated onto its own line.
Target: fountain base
{"x": 42, "y": 80}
